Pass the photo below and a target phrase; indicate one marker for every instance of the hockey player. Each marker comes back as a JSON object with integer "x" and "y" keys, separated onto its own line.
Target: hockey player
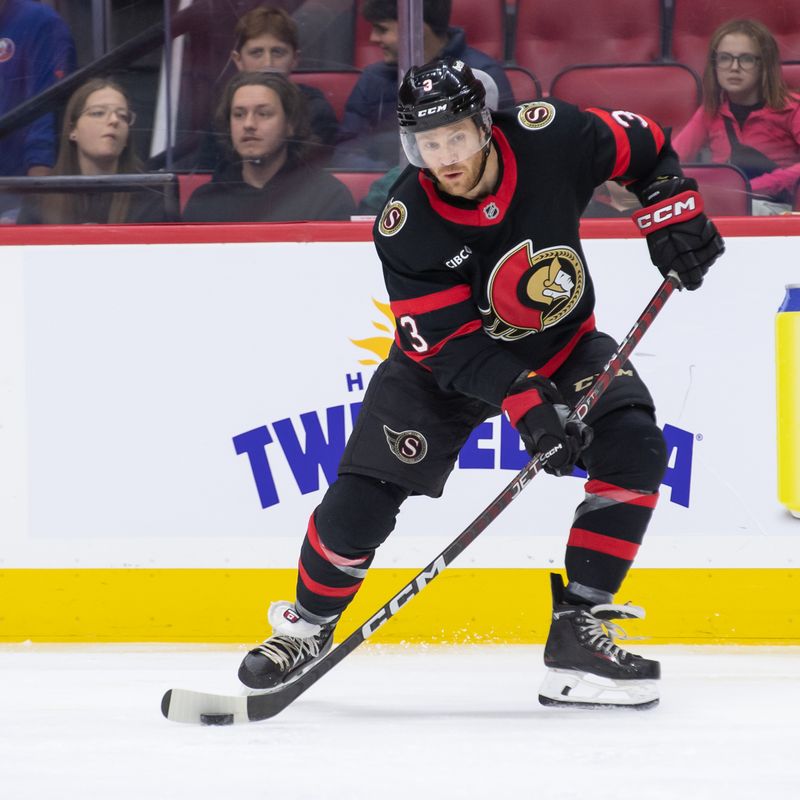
{"x": 494, "y": 307}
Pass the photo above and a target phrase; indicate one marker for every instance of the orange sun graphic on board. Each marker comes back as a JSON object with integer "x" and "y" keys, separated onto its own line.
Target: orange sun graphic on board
{"x": 379, "y": 345}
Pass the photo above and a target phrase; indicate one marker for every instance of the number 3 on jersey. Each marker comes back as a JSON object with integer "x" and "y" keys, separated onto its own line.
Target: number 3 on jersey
{"x": 417, "y": 342}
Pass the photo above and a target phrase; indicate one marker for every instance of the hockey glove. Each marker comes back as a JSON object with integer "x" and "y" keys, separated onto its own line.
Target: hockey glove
{"x": 536, "y": 409}
{"x": 680, "y": 236}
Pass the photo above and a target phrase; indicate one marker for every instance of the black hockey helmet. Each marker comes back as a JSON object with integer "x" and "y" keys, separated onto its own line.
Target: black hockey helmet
{"x": 440, "y": 93}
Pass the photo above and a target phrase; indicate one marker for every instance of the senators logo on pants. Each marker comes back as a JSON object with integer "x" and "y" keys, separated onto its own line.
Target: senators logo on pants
{"x": 409, "y": 446}
{"x": 529, "y": 291}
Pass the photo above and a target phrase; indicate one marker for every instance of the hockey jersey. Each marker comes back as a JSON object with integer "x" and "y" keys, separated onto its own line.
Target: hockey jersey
{"x": 482, "y": 290}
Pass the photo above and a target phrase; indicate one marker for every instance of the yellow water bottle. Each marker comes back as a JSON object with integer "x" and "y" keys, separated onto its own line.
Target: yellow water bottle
{"x": 787, "y": 364}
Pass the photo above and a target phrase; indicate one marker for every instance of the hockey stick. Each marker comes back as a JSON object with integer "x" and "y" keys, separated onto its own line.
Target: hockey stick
{"x": 182, "y": 705}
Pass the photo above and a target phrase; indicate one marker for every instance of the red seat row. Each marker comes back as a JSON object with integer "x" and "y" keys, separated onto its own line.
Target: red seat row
{"x": 547, "y": 36}
{"x": 667, "y": 93}
{"x": 336, "y": 85}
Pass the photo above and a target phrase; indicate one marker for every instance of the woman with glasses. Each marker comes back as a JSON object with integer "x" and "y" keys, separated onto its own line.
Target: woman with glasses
{"x": 749, "y": 117}
{"x": 95, "y": 140}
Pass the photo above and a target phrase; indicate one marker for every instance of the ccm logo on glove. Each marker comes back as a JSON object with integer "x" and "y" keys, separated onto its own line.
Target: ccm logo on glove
{"x": 685, "y": 206}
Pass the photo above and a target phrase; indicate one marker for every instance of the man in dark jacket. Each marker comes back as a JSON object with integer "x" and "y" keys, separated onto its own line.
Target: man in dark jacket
{"x": 266, "y": 178}
{"x": 368, "y": 131}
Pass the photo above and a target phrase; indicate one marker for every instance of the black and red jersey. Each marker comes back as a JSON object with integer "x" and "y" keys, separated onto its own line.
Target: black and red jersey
{"x": 484, "y": 289}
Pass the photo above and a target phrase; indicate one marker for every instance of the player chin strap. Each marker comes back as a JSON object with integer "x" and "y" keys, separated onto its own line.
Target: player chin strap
{"x": 484, "y": 161}
{"x": 186, "y": 706}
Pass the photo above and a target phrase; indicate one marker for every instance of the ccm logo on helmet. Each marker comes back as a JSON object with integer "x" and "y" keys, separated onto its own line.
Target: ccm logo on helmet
{"x": 424, "y": 112}
{"x": 682, "y": 207}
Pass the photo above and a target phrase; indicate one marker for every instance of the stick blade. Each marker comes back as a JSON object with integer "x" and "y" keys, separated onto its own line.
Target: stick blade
{"x": 185, "y": 705}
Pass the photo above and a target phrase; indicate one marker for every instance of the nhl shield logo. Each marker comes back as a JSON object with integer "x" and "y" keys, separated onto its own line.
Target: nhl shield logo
{"x": 535, "y": 116}
{"x": 409, "y": 446}
{"x": 491, "y": 211}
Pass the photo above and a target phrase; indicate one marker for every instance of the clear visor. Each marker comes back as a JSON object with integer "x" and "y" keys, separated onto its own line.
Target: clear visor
{"x": 449, "y": 143}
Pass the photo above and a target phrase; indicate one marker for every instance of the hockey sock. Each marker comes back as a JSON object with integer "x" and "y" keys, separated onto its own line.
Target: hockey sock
{"x": 326, "y": 580}
{"x": 606, "y": 533}
{"x": 625, "y": 471}
{"x": 355, "y": 517}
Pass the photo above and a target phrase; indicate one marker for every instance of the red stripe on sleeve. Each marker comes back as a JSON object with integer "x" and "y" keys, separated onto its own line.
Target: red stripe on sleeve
{"x": 465, "y": 329}
{"x": 578, "y": 537}
{"x": 431, "y": 302}
{"x": 325, "y": 591}
{"x": 620, "y": 495}
{"x": 623, "y": 159}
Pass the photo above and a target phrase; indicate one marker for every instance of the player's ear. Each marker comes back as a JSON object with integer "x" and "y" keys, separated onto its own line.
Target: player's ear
{"x": 236, "y": 57}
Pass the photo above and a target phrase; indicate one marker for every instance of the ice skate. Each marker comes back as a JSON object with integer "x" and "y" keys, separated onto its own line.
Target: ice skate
{"x": 294, "y": 646}
{"x": 585, "y": 667}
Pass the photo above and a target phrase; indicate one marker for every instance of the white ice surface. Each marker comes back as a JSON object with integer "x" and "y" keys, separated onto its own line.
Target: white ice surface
{"x": 396, "y": 722}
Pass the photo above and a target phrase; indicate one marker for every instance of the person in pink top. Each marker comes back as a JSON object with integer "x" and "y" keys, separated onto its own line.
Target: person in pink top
{"x": 749, "y": 117}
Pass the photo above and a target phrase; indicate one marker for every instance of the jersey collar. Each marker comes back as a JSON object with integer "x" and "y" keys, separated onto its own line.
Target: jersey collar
{"x": 492, "y": 209}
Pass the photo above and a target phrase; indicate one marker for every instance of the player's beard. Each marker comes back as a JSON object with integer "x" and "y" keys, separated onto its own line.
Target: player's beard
{"x": 470, "y": 177}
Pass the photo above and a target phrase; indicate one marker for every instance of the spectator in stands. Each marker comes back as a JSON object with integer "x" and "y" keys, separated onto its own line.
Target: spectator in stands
{"x": 749, "y": 118}
{"x": 267, "y": 41}
{"x": 36, "y": 50}
{"x": 369, "y": 128}
{"x": 95, "y": 140}
{"x": 267, "y": 177}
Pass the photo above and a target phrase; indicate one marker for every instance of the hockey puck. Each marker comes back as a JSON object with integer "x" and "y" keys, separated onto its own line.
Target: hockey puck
{"x": 216, "y": 719}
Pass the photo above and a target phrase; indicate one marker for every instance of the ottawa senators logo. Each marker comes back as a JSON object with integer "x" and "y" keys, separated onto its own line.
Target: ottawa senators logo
{"x": 393, "y": 218}
{"x": 529, "y": 291}
{"x": 535, "y": 116}
{"x": 409, "y": 446}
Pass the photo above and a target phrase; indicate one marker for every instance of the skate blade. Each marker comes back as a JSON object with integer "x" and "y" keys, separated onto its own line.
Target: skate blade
{"x": 566, "y": 687}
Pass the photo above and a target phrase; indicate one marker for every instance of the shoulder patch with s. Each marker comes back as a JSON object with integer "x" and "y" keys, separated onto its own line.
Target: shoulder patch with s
{"x": 536, "y": 115}
{"x": 393, "y": 218}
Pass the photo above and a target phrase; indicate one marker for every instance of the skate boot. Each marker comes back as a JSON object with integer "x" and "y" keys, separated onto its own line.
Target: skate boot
{"x": 294, "y": 646}
{"x": 585, "y": 667}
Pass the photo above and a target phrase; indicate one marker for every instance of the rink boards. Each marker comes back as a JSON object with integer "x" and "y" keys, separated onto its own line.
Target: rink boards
{"x": 172, "y": 408}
